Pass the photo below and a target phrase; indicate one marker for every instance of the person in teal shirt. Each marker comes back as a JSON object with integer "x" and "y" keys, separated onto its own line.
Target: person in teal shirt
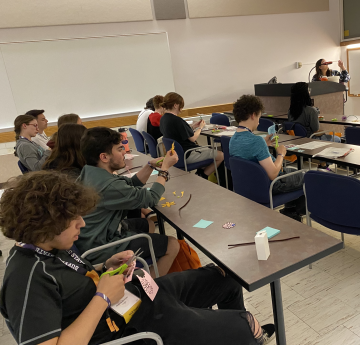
{"x": 246, "y": 145}
{"x": 104, "y": 155}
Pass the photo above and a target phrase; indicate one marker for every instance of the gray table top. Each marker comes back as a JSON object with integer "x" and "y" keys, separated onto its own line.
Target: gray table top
{"x": 351, "y": 160}
{"x": 214, "y": 203}
{"x": 351, "y": 120}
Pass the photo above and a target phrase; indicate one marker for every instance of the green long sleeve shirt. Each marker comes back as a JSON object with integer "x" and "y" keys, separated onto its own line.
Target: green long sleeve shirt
{"x": 118, "y": 195}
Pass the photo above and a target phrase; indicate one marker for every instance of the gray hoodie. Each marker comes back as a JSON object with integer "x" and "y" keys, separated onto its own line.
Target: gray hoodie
{"x": 31, "y": 155}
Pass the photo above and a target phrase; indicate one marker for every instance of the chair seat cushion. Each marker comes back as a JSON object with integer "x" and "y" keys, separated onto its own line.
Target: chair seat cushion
{"x": 281, "y": 199}
{"x": 197, "y": 165}
{"x": 345, "y": 229}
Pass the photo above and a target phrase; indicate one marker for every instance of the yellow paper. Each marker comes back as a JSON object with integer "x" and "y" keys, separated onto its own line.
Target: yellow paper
{"x": 346, "y": 33}
{"x": 162, "y": 198}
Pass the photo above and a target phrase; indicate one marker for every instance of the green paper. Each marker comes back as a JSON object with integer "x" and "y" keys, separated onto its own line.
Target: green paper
{"x": 271, "y": 232}
{"x": 270, "y": 115}
{"x": 202, "y": 224}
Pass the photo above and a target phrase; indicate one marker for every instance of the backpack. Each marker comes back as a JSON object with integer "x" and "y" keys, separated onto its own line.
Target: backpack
{"x": 186, "y": 259}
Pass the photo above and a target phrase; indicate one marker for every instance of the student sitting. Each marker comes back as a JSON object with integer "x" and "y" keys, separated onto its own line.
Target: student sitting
{"x": 141, "y": 123}
{"x": 31, "y": 155}
{"x": 174, "y": 127}
{"x": 153, "y": 125}
{"x": 246, "y": 145}
{"x": 66, "y": 156}
{"x": 104, "y": 155}
{"x": 50, "y": 296}
{"x": 41, "y": 138}
{"x": 302, "y": 112}
{"x": 67, "y": 118}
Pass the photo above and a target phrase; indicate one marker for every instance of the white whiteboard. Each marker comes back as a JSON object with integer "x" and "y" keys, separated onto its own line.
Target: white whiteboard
{"x": 354, "y": 71}
{"x": 87, "y": 76}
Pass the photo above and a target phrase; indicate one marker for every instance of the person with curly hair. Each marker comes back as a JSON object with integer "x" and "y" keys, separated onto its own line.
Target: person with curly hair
{"x": 246, "y": 145}
{"x": 51, "y": 296}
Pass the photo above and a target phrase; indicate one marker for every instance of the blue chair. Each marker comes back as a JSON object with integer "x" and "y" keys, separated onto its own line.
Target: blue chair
{"x": 225, "y": 142}
{"x": 181, "y": 164}
{"x": 152, "y": 144}
{"x": 139, "y": 140}
{"x": 320, "y": 189}
{"x": 352, "y": 135}
{"x": 264, "y": 124}
{"x": 251, "y": 181}
{"x": 219, "y": 119}
{"x": 23, "y": 168}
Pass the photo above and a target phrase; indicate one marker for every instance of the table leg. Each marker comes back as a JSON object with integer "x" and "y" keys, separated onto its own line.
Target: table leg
{"x": 299, "y": 163}
{"x": 278, "y": 312}
{"x": 216, "y": 169}
{"x": 161, "y": 224}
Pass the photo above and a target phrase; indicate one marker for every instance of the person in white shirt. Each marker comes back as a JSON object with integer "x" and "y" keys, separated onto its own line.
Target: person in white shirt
{"x": 142, "y": 121}
{"x": 41, "y": 138}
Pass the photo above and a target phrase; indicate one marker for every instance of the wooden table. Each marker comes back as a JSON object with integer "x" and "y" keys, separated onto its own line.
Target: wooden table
{"x": 213, "y": 203}
{"x": 352, "y": 160}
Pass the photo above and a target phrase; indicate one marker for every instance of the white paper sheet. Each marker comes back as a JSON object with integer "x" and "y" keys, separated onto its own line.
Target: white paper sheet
{"x": 130, "y": 156}
{"x": 1, "y": 192}
{"x": 332, "y": 152}
{"x": 227, "y": 133}
{"x": 313, "y": 145}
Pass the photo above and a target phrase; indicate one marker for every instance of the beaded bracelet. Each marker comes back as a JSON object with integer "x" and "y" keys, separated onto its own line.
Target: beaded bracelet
{"x": 103, "y": 296}
{"x": 165, "y": 174}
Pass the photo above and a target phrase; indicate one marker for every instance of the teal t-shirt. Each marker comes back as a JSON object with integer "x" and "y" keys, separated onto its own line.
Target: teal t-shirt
{"x": 248, "y": 146}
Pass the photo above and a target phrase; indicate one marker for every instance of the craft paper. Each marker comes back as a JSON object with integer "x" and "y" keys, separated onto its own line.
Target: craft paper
{"x": 314, "y": 145}
{"x": 227, "y": 133}
{"x": 333, "y": 152}
{"x": 202, "y": 224}
{"x": 130, "y": 156}
{"x": 271, "y": 232}
{"x": 155, "y": 172}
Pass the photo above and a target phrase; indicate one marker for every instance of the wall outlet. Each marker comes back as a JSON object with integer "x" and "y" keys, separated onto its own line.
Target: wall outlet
{"x": 298, "y": 64}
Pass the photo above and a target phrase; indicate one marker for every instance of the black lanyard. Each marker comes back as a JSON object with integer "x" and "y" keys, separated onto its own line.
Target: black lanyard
{"x": 43, "y": 252}
{"x": 248, "y": 129}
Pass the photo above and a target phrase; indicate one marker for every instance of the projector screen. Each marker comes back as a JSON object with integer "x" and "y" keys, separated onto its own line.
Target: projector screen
{"x": 88, "y": 76}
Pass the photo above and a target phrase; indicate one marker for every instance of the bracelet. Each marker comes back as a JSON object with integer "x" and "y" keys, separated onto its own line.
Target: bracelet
{"x": 103, "y": 296}
{"x": 280, "y": 154}
{"x": 165, "y": 174}
{"x": 104, "y": 268}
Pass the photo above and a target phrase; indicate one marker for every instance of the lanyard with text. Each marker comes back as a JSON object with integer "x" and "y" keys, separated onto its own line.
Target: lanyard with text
{"x": 43, "y": 252}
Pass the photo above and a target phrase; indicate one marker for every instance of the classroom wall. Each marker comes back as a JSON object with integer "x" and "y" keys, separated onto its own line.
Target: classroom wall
{"x": 215, "y": 60}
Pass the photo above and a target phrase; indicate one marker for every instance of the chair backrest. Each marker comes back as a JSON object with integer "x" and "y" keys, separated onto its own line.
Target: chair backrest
{"x": 152, "y": 145}
{"x": 138, "y": 139}
{"x": 225, "y": 143}
{"x": 323, "y": 192}
{"x": 179, "y": 150}
{"x": 352, "y": 135}
{"x": 23, "y": 168}
{"x": 264, "y": 124}
{"x": 299, "y": 130}
{"x": 250, "y": 180}
{"x": 219, "y": 119}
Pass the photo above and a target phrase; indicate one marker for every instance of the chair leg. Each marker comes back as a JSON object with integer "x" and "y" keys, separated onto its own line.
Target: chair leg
{"x": 310, "y": 266}
{"x": 348, "y": 171}
{"x": 309, "y": 163}
{"x": 226, "y": 178}
{"x": 343, "y": 238}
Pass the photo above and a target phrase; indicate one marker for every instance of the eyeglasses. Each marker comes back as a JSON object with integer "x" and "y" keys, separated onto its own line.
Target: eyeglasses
{"x": 32, "y": 124}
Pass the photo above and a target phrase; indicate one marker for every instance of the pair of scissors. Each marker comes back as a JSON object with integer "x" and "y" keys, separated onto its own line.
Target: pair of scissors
{"x": 172, "y": 152}
{"x": 123, "y": 267}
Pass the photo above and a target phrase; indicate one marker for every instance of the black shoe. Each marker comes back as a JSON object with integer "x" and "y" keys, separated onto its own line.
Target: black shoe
{"x": 268, "y": 333}
{"x": 200, "y": 172}
{"x": 291, "y": 213}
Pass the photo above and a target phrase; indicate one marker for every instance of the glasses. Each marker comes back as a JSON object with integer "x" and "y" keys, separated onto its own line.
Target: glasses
{"x": 32, "y": 124}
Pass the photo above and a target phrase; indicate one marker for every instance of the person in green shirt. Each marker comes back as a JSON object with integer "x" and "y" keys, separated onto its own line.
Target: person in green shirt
{"x": 104, "y": 155}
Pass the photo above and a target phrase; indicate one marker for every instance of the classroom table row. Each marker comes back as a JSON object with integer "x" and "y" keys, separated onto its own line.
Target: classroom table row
{"x": 210, "y": 206}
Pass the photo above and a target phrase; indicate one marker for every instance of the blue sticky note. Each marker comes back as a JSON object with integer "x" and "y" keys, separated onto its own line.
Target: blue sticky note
{"x": 202, "y": 224}
{"x": 271, "y": 232}
{"x": 155, "y": 172}
{"x": 148, "y": 188}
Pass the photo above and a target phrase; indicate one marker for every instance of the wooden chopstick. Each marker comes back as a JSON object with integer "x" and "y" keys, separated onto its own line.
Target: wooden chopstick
{"x": 245, "y": 244}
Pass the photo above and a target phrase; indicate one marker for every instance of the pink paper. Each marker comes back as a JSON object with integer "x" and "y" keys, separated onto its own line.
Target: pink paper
{"x": 149, "y": 285}
{"x": 129, "y": 276}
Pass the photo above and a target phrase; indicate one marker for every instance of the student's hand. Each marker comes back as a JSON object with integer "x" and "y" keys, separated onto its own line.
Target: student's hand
{"x": 202, "y": 124}
{"x": 268, "y": 139}
{"x": 112, "y": 287}
{"x": 118, "y": 259}
{"x": 341, "y": 65}
{"x": 170, "y": 160}
{"x": 153, "y": 162}
{"x": 281, "y": 150}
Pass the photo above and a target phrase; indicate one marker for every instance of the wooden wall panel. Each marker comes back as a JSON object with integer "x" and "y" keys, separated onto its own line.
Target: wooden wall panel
{"x": 6, "y": 137}
{"x": 223, "y": 8}
{"x": 25, "y": 13}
